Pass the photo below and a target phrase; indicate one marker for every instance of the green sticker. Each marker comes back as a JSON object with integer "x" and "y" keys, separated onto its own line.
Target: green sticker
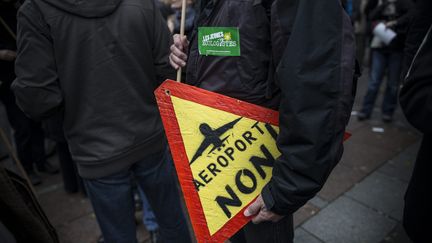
{"x": 219, "y": 41}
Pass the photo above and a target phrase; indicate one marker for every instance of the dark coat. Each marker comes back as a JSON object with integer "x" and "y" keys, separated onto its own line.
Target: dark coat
{"x": 306, "y": 53}
{"x": 99, "y": 63}
{"x": 244, "y": 77}
{"x": 421, "y": 20}
{"x": 315, "y": 75}
{"x": 416, "y": 103}
{"x": 416, "y": 93}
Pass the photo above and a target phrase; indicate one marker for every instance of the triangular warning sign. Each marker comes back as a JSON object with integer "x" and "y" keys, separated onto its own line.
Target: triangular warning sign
{"x": 223, "y": 150}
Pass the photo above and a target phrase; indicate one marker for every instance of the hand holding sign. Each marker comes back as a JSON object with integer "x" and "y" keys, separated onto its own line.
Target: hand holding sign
{"x": 178, "y": 56}
{"x": 260, "y": 212}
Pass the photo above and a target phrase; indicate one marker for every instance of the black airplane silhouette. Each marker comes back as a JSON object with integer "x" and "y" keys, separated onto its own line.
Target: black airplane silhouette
{"x": 212, "y": 137}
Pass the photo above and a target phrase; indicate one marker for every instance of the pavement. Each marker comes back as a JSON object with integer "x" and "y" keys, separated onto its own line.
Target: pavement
{"x": 364, "y": 211}
{"x": 362, "y": 200}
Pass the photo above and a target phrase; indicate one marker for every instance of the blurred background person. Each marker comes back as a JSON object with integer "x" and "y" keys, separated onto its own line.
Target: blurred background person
{"x": 386, "y": 57}
{"x": 28, "y": 134}
{"x": 171, "y": 11}
{"x": 175, "y": 19}
{"x": 164, "y": 7}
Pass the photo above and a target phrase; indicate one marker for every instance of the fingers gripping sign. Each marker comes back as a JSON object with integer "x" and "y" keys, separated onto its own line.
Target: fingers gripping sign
{"x": 260, "y": 213}
{"x": 178, "y": 56}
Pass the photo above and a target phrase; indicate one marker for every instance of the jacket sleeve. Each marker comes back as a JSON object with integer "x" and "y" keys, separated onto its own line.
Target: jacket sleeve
{"x": 407, "y": 12}
{"x": 416, "y": 94}
{"x": 161, "y": 50}
{"x": 315, "y": 76}
{"x": 36, "y": 87}
{"x": 421, "y": 20}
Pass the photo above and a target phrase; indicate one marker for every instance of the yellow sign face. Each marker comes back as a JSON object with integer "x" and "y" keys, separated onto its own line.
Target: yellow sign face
{"x": 231, "y": 158}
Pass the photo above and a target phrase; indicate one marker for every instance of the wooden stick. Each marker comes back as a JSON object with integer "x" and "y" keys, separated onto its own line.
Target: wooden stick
{"x": 15, "y": 158}
{"x": 182, "y": 30}
{"x": 8, "y": 29}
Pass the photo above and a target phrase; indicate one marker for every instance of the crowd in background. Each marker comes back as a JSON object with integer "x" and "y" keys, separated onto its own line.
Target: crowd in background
{"x": 385, "y": 61}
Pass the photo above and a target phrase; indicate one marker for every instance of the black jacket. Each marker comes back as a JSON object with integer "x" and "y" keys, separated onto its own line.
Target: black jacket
{"x": 305, "y": 48}
{"x": 416, "y": 92}
{"x": 244, "y": 77}
{"x": 99, "y": 63}
{"x": 376, "y": 11}
{"x": 416, "y": 103}
{"x": 315, "y": 75}
{"x": 421, "y": 21}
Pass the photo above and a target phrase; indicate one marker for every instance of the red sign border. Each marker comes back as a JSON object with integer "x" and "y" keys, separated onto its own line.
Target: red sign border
{"x": 172, "y": 130}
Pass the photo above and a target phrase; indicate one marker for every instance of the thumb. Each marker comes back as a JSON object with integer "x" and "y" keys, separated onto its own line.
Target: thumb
{"x": 185, "y": 41}
{"x": 253, "y": 209}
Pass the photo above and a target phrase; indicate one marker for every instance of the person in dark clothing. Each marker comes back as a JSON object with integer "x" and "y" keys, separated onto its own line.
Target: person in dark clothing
{"x": 189, "y": 20}
{"x": 353, "y": 8}
{"x": 416, "y": 102}
{"x": 165, "y": 8}
{"x": 395, "y": 15}
{"x": 28, "y": 134}
{"x": 171, "y": 11}
{"x": 297, "y": 57}
{"x": 98, "y": 63}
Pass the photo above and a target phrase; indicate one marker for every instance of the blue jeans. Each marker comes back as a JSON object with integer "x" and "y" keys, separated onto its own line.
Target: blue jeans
{"x": 149, "y": 219}
{"x": 382, "y": 61}
{"x": 113, "y": 203}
